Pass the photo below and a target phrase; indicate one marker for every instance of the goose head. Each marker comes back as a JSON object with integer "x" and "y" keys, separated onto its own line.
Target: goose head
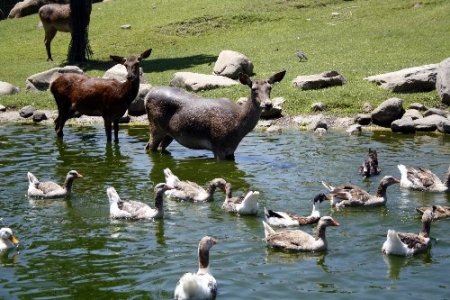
{"x": 327, "y": 221}
{"x": 113, "y": 197}
{"x": 72, "y": 174}
{"x": 206, "y": 243}
{"x": 318, "y": 199}
{"x": 8, "y": 238}
{"x": 427, "y": 218}
{"x": 389, "y": 180}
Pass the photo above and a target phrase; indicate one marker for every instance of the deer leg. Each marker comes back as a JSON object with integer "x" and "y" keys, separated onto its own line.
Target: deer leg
{"x": 166, "y": 142}
{"x": 49, "y": 35}
{"x": 156, "y": 138}
{"x": 108, "y": 128}
{"x": 116, "y": 131}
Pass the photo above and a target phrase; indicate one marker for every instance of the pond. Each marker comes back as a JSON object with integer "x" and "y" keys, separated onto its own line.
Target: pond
{"x": 72, "y": 249}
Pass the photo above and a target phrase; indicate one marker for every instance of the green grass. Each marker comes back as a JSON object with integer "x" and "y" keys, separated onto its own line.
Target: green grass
{"x": 366, "y": 38}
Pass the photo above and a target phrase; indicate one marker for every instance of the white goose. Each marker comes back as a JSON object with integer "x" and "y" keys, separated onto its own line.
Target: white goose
{"x": 49, "y": 189}
{"x": 406, "y": 244}
{"x": 188, "y": 190}
{"x": 422, "y": 179}
{"x": 245, "y": 204}
{"x": 201, "y": 285}
{"x": 121, "y": 209}
{"x": 283, "y": 219}
{"x": 298, "y": 240}
{"x": 8, "y": 240}
{"x": 352, "y": 195}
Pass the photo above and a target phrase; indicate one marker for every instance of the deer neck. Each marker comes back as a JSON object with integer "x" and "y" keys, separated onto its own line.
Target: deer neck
{"x": 249, "y": 114}
{"x": 130, "y": 88}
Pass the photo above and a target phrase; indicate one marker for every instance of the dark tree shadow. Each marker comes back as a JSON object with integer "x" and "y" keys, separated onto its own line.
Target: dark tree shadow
{"x": 176, "y": 63}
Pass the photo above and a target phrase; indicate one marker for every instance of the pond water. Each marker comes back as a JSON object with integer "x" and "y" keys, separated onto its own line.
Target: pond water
{"x": 72, "y": 249}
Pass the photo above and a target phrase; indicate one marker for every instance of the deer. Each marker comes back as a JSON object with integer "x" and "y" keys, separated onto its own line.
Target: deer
{"x": 55, "y": 17}
{"x": 108, "y": 98}
{"x": 218, "y": 125}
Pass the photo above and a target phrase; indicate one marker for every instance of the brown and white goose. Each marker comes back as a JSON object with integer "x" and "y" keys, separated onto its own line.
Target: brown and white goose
{"x": 422, "y": 179}
{"x": 8, "y": 240}
{"x": 201, "y": 285}
{"x": 185, "y": 190}
{"x": 121, "y": 209}
{"x": 284, "y": 219}
{"x": 50, "y": 189}
{"x": 406, "y": 244}
{"x": 352, "y": 195}
{"x": 370, "y": 164}
{"x": 298, "y": 240}
{"x": 244, "y": 204}
{"x": 440, "y": 212}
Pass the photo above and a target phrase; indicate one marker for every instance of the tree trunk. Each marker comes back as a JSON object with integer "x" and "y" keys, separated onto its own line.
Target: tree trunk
{"x": 79, "y": 48}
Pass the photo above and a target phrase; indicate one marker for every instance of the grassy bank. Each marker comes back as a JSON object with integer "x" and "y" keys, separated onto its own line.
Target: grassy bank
{"x": 360, "y": 39}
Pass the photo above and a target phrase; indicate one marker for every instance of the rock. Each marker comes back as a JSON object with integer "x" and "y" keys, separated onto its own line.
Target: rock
{"x": 2, "y": 108}
{"x": 39, "y": 116}
{"x": 367, "y": 107}
{"x": 413, "y": 114}
{"x": 354, "y": 129}
{"x": 321, "y": 123}
{"x": 231, "y": 63}
{"x": 320, "y": 131}
{"x": 137, "y": 107}
{"x": 125, "y": 26}
{"x": 318, "y": 81}
{"x": 387, "y": 112}
{"x": 436, "y": 111}
{"x": 273, "y": 111}
{"x": 119, "y": 72}
{"x": 429, "y": 123}
{"x": 7, "y": 89}
{"x": 27, "y": 111}
{"x": 418, "y": 106}
{"x": 41, "y": 81}
{"x": 417, "y": 79}
{"x": 403, "y": 125}
{"x": 197, "y": 82}
{"x": 317, "y": 107}
{"x": 363, "y": 119}
{"x": 443, "y": 81}
{"x": 444, "y": 126}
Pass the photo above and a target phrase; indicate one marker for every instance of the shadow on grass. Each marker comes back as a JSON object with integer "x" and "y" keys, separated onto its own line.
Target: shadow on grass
{"x": 176, "y": 63}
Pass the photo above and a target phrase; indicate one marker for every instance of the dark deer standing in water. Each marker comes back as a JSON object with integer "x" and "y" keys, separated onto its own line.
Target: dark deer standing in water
{"x": 108, "y": 98}
{"x": 218, "y": 125}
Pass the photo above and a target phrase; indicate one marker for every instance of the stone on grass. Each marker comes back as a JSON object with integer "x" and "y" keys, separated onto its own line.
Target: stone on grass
{"x": 367, "y": 107}
{"x": 198, "y": 82}
{"x": 413, "y": 114}
{"x": 27, "y": 111}
{"x": 435, "y": 111}
{"x": 317, "y": 107}
{"x": 2, "y": 108}
{"x": 318, "y": 81}
{"x": 418, "y": 106}
{"x": 41, "y": 81}
{"x": 7, "y": 89}
{"x": 387, "y": 112}
{"x": 231, "y": 63}
{"x": 39, "y": 116}
{"x": 403, "y": 125}
{"x": 363, "y": 119}
{"x": 443, "y": 81}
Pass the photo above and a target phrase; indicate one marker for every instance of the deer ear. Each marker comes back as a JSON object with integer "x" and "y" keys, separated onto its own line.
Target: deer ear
{"x": 118, "y": 59}
{"x": 277, "y": 77}
{"x": 145, "y": 54}
{"x": 244, "y": 79}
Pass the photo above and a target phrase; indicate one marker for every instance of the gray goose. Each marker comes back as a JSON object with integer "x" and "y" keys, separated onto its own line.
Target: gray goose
{"x": 50, "y": 189}
{"x": 422, "y": 179}
{"x": 440, "y": 212}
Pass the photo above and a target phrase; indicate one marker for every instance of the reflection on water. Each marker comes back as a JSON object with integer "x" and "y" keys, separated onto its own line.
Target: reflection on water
{"x": 71, "y": 248}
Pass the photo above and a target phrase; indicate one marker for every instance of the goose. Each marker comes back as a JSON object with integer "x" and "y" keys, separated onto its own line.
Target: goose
{"x": 120, "y": 209}
{"x": 298, "y": 240}
{"x": 440, "y": 212}
{"x": 201, "y": 285}
{"x": 245, "y": 204}
{"x": 49, "y": 189}
{"x": 370, "y": 165}
{"x": 422, "y": 179}
{"x": 8, "y": 240}
{"x": 407, "y": 244}
{"x": 188, "y": 190}
{"x": 351, "y": 195}
{"x": 283, "y": 219}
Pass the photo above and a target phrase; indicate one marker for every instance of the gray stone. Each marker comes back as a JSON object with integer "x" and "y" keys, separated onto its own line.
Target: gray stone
{"x": 403, "y": 125}
{"x": 387, "y": 112}
{"x": 320, "y": 131}
{"x": 318, "y": 81}
{"x": 39, "y": 116}
{"x": 413, "y": 114}
{"x": 443, "y": 81}
{"x": 269, "y": 111}
{"x": 429, "y": 123}
{"x": 125, "y": 26}
{"x": 2, "y": 108}
{"x": 435, "y": 111}
{"x": 367, "y": 107}
{"x": 119, "y": 72}
{"x": 354, "y": 129}
{"x": 416, "y": 79}
{"x": 197, "y": 82}
{"x": 418, "y": 106}
{"x": 27, "y": 111}
{"x": 444, "y": 126}
{"x": 321, "y": 124}
{"x": 317, "y": 107}
{"x": 7, "y": 89}
{"x": 41, "y": 81}
{"x": 363, "y": 119}
{"x": 137, "y": 107}
{"x": 231, "y": 63}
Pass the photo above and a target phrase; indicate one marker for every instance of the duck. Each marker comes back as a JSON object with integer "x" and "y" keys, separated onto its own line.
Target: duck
{"x": 188, "y": 190}
{"x": 408, "y": 244}
{"x": 245, "y": 204}
{"x": 121, "y": 209}
{"x": 8, "y": 240}
{"x": 283, "y": 219}
{"x": 298, "y": 240}
{"x": 201, "y": 285}
{"x": 50, "y": 189}
{"x": 440, "y": 212}
{"x": 352, "y": 195}
{"x": 422, "y": 179}
{"x": 370, "y": 164}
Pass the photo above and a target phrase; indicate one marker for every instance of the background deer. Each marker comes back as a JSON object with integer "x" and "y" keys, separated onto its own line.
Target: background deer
{"x": 108, "y": 98}
{"x": 218, "y": 125}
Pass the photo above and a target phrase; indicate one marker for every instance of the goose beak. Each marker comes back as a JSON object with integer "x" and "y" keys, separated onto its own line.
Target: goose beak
{"x": 14, "y": 240}
{"x": 335, "y": 223}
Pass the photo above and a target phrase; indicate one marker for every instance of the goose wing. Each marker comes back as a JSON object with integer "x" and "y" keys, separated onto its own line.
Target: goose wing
{"x": 422, "y": 177}
{"x": 290, "y": 239}
{"x": 351, "y": 192}
{"x": 413, "y": 241}
{"x": 48, "y": 187}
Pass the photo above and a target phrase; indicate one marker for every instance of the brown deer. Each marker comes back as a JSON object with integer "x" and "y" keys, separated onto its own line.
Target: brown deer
{"x": 108, "y": 98}
{"x": 218, "y": 125}
{"x": 56, "y": 17}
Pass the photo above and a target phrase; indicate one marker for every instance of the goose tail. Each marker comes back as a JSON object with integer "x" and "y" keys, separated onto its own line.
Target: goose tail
{"x": 327, "y": 186}
{"x": 267, "y": 229}
{"x": 32, "y": 179}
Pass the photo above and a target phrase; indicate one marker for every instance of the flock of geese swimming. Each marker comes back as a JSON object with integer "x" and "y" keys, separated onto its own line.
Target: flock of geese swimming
{"x": 202, "y": 285}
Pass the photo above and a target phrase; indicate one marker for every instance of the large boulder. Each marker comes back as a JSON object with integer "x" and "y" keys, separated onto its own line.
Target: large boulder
{"x": 387, "y": 112}
{"x": 231, "y": 63}
{"x": 7, "y": 89}
{"x": 443, "y": 81}
{"x": 403, "y": 125}
{"x": 430, "y": 123}
{"x": 197, "y": 82}
{"x": 318, "y": 81}
{"x": 417, "y": 79}
{"x": 414, "y": 114}
{"x": 41, "y": 81}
